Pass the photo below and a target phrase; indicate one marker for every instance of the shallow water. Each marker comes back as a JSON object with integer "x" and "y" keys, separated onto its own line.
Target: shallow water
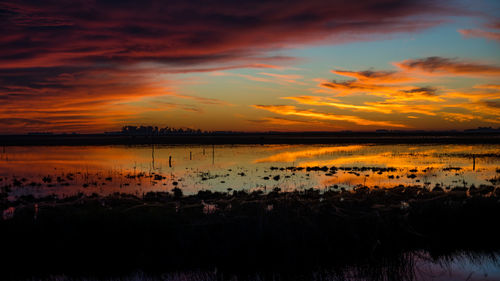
{"x": 66, "y": 170}
{"x": 459, "y": 267}
{"x": 418, "y": 266}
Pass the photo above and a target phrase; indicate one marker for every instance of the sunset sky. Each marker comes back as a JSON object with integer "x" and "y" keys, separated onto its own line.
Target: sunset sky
{"x": 92, "y": 66}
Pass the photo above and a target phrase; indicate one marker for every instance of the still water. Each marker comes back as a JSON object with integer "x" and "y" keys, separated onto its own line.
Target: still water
{"x": 66, "y": 170}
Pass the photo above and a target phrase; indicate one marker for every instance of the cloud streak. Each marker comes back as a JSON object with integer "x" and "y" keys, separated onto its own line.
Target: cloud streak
{"x": 479, "y": 33}
{"x": 321, "y": 101}
{"x": 376, "y": 77}
{"x": 448, "y": 66}
{"x": 292, "y": 110}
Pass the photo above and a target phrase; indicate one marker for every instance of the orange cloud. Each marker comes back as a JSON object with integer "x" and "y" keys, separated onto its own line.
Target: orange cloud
{"x": 381, "y": 83}
{"x": 460, "y": 117}
{"x": 405, "y": 93}
{"x": 425, "y": 109}
{"x": 292, "y": 110}
{"x": 478, "y": 93}
{"x": 386, "y": 107}
{"x": 488, "y": 86}
{"x": 320, "y": 101}
{"x": 350, "y": 87}
{"x": 482, "y": 109}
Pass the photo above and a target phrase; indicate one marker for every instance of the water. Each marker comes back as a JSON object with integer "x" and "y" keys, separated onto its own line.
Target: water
{"x": 417, "y": 266}
{"x": 458, "y": 267}
{"x": 67, "y": 170}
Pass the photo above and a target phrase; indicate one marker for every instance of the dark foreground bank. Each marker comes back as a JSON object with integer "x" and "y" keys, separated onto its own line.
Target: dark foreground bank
{"x": 374, "y": 232}
{"x": 259, "y": 138}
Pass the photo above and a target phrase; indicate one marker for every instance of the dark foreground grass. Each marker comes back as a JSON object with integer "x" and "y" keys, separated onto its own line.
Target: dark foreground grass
{"x": 371, "y": 233}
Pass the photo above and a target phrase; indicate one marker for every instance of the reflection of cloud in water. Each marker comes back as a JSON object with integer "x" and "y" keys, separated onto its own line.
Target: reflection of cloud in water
{"x": 460, "y": 150}
{"x": 292, "y": 156}
{"x": 399, "y": 156}
{"x": 385, "y": 159}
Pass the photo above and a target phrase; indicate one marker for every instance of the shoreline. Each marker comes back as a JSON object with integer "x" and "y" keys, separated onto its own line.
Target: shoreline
{"x": 256, "y": 138}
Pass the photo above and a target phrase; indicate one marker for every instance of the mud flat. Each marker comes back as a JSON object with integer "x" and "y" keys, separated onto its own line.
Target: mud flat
{"x": 368, "y": 233}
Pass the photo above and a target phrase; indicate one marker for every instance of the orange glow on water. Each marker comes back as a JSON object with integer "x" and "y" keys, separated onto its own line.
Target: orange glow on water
{"x": 107, "y": 169}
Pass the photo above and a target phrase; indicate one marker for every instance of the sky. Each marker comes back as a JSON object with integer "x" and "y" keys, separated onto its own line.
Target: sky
{"x": 91, "y": 66}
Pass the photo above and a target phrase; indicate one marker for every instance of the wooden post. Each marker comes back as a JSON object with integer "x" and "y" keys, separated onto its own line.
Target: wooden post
{"x": 153, "y": 154}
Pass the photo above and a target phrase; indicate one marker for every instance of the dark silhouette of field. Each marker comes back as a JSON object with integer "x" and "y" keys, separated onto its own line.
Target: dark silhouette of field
{"x": 373, "y": 232}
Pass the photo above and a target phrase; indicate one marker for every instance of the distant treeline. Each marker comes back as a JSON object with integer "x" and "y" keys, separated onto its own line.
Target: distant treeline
{"x": 155, "y": 131}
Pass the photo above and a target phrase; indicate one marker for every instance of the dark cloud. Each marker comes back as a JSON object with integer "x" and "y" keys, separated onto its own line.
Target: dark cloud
{"x": 426, "y": 91}
{"x": 447, "y": 65}
{"x": 492, "y": 104}
{"x": 376, "y": 74}
{"x": 350, "y": 85}
{"x": 494, "y": 25}
{"x": 23, "y": 121}
{"x": 187, "y": 32}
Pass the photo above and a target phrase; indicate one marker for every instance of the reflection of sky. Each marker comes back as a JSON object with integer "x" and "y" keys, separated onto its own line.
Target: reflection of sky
{"x": 292, "y": 156}
{"x": 459, "y": 267}
{"x": 93, "y": 164}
